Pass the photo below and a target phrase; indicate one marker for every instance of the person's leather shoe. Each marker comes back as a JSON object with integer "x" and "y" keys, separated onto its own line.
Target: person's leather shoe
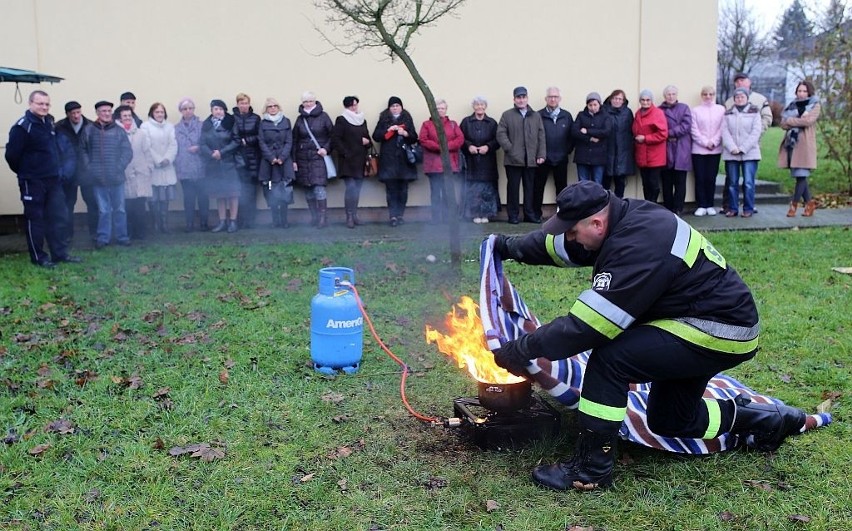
{"x": 47, "y": 264}
{"x": 70, "y": 259}
{"x": 513, "y": 221}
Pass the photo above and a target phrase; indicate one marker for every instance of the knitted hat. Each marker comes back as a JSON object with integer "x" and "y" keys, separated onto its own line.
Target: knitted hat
{"x": 741, "y": 91}
{"x": 593, "y": 96}
{"x": 394, "y": 99}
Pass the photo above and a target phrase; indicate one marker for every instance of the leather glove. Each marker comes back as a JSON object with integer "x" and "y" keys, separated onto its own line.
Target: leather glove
{"x": 501, "y": 246}
{"x": 514, "y": 357}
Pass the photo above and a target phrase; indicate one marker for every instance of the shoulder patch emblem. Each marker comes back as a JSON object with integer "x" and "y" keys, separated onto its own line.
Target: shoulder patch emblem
{"x": 601, "y": 281}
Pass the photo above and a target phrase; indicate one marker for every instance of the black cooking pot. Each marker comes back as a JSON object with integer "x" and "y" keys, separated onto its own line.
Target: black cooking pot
{"x": 505, "y": 398}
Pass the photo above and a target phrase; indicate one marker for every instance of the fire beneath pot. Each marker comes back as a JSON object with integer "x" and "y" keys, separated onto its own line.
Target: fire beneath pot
{"x": 505, "y": 412}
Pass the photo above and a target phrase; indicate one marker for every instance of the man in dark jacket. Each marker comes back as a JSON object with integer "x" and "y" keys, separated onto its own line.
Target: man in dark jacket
{"x": 73, "y": 127}
{"x": 521, "y": 135}
{"x": 128, "y": 99}
{"x": 557, "y": 133}
{"x": 106, "y": 153}
{"x": 33, "y": 154}
{"x": 652, "y": 314}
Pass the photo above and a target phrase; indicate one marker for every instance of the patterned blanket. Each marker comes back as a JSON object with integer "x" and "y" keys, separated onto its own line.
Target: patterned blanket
{"x": 505, "y": 317}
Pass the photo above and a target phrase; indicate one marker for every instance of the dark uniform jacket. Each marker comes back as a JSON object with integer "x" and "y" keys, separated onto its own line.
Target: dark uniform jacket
{"x": 652, "y": 269}
{"x": 66, "y": 129}
{"x": 32, "y": 151}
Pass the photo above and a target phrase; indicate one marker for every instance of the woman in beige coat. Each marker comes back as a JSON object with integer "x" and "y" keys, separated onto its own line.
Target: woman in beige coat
{"x": 798, "y": 150}
{"x": 137, "y": 184}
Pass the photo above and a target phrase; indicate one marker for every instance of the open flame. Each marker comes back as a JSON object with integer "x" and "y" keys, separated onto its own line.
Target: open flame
{"x": 465, "y": 343}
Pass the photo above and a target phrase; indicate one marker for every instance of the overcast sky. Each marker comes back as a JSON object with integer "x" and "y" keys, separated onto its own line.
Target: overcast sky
{"x": 770, "y": 11}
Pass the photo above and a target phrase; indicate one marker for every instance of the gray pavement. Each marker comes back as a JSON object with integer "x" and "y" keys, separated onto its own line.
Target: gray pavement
{"x": 768, "y": 217}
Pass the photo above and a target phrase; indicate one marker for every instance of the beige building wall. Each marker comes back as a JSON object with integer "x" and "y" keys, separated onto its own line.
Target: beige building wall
{"x": 164, "y": 50}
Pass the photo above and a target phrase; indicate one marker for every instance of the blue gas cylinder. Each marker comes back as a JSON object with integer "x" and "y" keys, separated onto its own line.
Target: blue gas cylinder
{"x": 337, "y": 327}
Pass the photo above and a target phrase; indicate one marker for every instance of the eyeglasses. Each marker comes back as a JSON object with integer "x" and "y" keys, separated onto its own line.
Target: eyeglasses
{"x": 271, "y": 105}
{"x": 309, "y": 101}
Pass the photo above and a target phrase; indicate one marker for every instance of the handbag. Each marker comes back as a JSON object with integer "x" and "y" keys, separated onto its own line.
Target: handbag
{"x": 371, "y": 166}
{"x": 280, "y": 193}
{"x": 330, "y": 169}
{"x": 414, "y": 152}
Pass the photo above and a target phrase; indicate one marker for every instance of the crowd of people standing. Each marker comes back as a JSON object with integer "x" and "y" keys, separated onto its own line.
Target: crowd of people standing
{"x": 128, "y": 169}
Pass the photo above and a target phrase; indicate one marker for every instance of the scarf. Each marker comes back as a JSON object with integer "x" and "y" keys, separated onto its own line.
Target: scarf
{"x": 276, "y": 119}
{"x": 795, "y": 110}
{"x": 505, "y": 317}
{"x": 216, "y": 122}
{"x": 354, "y": 118}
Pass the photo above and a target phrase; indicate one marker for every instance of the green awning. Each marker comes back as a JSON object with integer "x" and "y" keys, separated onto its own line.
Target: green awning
{"x": 15, "y": 75}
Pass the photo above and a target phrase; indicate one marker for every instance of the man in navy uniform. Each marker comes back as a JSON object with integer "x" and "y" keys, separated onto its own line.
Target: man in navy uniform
{"x": 653, "y": 313}
{"x": 33, "y": 154}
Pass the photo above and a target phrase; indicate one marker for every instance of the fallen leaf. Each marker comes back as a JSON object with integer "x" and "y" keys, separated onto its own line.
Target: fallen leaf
{"x": 307, "y": 477}
{"x": 825, "y": 407}
{"x": 343, "y": 451}
{"x": 342, "y": 485}
{"x": 134, "y": 382}
{"x": 45, "y": 383}
{"x": 491, "y": 506}
{"x": 93, "y": 495}
{"x": 229, "y": 363}
{"x": 153, "y": 316}
{"x": 161, "y": 393}
{"x": 144, "y": 270}
{"x": 580, "y": 528}
{"x": 61, "y": 426}
{"x": 759, "y": 484}
{"x": 340, "y": 419}
{"x": 799, "y": 518}
{"x": 726, "y": 516}
{"x": 207, "y": 453}
{"x": 333, "y": 397}
{"x": 218, "y": 325}
{"x": 263, "y": 292}
{"x": 84, "y": 376}
{"x": 43, "y": 370}
{"x": 224, "y": 377}
{"x": 158, "y": 444}
{"x": 785, "y": 378}
{"x": 39, "y": 449}
{"x": 435, "y": 483}
{"x": 167, "y": 404}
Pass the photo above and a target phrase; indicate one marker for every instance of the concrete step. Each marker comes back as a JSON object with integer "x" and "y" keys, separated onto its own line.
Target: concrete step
{"x": 765, "y": 192}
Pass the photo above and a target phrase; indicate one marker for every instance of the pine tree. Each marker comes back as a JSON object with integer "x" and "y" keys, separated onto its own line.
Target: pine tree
{"x": 794, "y": 29}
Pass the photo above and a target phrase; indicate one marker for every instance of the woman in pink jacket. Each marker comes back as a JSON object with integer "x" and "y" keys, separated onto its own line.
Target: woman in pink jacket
{"x": 706, "y": 149}
{"x": 650, "y": 131}
{"x": 432, "y": 166}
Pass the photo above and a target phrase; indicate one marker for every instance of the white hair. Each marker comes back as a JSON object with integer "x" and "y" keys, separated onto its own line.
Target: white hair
{"x": 479, "y": 99}
{"x": 308, "y": 95}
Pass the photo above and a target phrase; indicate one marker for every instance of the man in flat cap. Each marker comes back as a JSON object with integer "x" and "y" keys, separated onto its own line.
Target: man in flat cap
{"x": 107, "y": 153}
{"x": 73, "y": 127}
{"x": 521, "y": 135}
{"x": 128, "y": 99}
{"x": 653, "y": 313}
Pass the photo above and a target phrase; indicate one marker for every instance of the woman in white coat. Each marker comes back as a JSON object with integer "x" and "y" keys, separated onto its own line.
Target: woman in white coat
{"x": 163, "y": 150}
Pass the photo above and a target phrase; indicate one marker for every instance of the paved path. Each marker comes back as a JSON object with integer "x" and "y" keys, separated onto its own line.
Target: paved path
{"x": 769, "y": 217}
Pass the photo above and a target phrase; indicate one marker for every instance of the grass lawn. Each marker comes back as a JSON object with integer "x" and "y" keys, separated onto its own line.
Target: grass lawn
{"x": 107, "y": 366}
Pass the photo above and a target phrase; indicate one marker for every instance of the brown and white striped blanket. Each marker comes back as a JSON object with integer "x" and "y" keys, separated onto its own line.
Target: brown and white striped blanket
{"x": 505, "y": 317}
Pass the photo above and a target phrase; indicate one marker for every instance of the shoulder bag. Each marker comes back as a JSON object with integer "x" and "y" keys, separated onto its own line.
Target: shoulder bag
{"x": 330, "y": 169}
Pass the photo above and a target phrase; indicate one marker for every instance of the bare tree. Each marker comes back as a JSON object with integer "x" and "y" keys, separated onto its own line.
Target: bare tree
{"x": 391, "y": 25}
{"x": 828, "y": 63}
{"x": 741, "y": 44}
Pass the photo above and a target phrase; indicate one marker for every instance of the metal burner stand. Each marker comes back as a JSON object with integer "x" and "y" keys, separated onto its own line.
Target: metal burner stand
{"x": 499, "y": 431}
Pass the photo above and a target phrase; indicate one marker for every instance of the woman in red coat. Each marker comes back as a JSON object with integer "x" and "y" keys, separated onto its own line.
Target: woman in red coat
{"x": 432, "y": 166}
{"x": 650, "y": 130}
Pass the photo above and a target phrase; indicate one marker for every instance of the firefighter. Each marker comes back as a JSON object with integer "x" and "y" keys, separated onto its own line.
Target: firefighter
{"x": 663, "y": 307}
